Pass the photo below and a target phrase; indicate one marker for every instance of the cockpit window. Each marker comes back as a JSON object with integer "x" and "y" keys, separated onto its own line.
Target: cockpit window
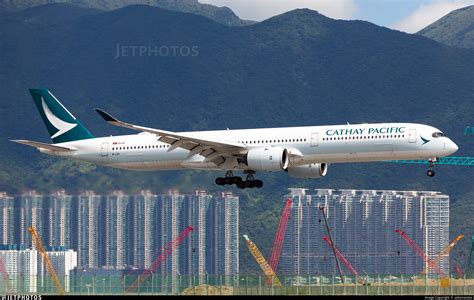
{"x": 438, "y": 134}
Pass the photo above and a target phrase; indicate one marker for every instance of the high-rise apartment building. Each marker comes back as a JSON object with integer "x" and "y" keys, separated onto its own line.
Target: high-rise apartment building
{"x": 63, "y": 261}
{"x": 223, "y": 235}
{"x": 362, "y": 224}
{"x": 7, "y": 219}
{"x": 21, "y": 264}
{"x": 117, "y": 231}
{"x": 115, "y": 226}
{"x": 58, "y": 219}
{"x": 30, "y": 213}
{"x": 86, "y": 230}
{"x": 193, "y": 251}
{"x": 168, "y": 228}
{"x": 144, "y": 216}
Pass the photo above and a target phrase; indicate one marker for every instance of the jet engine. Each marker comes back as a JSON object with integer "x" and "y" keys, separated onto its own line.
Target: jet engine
{"x": 268, "y": 159}
{"x": 315, "y": 170}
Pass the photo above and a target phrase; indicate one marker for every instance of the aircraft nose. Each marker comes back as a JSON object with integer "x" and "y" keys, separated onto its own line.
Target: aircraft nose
{"x": 451, "y": 146}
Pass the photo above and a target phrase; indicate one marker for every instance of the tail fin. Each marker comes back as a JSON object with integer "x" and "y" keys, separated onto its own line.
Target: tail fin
{"x": 61, "y": 124}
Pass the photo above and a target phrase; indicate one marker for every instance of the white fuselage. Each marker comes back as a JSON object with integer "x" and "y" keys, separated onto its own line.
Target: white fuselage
{"x": 317, "y": 144}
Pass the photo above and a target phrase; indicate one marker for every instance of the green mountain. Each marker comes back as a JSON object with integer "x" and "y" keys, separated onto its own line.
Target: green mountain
{"x": 221, "y": 15}
{"x": 299, "y": 68}
{"x": 455, "y": 29}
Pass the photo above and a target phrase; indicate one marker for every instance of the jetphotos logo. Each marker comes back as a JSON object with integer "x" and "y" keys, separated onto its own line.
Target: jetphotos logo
{"x": 59, "y": 124}
{"x": 361, "y": 131}
{"x": 156, "y": 51}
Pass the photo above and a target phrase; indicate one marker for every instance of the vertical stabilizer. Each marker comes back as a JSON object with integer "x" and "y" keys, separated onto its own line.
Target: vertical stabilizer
{"x": 61, "y": 124}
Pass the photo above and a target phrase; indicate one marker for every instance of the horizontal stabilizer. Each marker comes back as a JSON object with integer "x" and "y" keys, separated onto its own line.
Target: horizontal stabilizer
{"x": 44, "y": 145}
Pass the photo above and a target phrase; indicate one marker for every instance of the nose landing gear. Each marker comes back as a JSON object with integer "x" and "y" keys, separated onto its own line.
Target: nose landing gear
{"x": 430, "y": 171}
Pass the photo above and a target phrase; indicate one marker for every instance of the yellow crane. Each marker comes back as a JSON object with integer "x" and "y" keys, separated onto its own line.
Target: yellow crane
{"x": 267, "y": 270}
{"x": 445, "y": 251}
{"x": 46, "y": 261}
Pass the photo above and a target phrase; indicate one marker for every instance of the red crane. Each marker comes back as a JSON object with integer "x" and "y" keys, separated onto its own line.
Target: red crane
{"x": 429, "y": 262}
{"x": 167, "y": 250}
{"x": 459, "y": 271}
{"x": 279, "y": 237}
{"x": 343, "y": 259}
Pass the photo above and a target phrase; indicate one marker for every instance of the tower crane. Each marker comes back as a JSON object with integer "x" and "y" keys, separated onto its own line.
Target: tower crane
{"x": 267, "y": 270}
{"x": 167, "y": 251}
{"x": 46, "y": 261}
{"x": 279, "y": 237}
{"x": 445, "y": 251}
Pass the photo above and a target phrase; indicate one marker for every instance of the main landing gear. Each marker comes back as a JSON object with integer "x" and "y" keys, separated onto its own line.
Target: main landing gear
{"x": 430, "y": 171}
{"x": 250, "y": 181}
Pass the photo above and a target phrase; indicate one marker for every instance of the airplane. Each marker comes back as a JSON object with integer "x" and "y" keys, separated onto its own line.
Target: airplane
{"x": 302, "y": 152}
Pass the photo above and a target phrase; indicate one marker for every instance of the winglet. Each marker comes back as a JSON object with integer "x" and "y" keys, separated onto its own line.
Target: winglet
{"x": 105, "y": 115}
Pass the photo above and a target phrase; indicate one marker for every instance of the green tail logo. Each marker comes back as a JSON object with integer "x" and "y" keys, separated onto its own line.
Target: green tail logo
{"x": 61, "y": 124}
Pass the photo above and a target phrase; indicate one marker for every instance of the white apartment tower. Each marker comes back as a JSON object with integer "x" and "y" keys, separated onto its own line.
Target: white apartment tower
{"x": 7, "y": 219}
{"x": 87, "y": 229}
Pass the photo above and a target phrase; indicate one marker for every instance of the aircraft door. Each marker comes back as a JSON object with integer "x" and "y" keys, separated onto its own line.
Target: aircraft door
{"x": 104, "y": 150}
{"x": 412, "y": 136}
{"x": 314, "y": 139}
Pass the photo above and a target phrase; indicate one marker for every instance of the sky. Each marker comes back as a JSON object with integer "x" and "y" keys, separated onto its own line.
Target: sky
{"x": 404, "y": 15}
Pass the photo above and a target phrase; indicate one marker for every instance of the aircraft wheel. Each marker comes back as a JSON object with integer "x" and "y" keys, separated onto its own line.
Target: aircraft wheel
{"x": 258, "y": 183}
{"x": 430, "y": 173}
{"x": 220, "y": 181}
{"x": 241, "y": 185}
{"x": 237, "y": 179}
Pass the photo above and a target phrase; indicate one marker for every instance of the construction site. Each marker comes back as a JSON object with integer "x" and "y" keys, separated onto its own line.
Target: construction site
{"x": 328, "y": 242}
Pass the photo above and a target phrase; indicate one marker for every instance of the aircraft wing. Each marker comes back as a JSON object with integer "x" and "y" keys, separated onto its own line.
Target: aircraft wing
{"x": 213, "y": 150}
{"x": 38, "y": 145}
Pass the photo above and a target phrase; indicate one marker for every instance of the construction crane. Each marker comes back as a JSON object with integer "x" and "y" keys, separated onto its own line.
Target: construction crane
{"x": 344, "y": 260}
{"x": 447, "y": 160}
{"x": 279, "y": 237}
{"x": 5, "y": 276}
{"x": 267, "y": 270}
{"x": 46, "y": 261}
{"x": 429, "y": 262}
{"x": 459, "y": 271}
{"x": 445, "y": 251}
{"x": 167, "y": 251}
{"x": 321, "y": 209}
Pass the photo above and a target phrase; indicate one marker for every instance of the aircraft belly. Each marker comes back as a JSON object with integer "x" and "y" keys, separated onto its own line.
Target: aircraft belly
{"x": 351, "y": 153}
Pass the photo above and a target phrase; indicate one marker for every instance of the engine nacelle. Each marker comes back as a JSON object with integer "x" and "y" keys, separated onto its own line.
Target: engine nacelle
{"x": 268, "y": 159}
{"x": 315, "y": 170}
